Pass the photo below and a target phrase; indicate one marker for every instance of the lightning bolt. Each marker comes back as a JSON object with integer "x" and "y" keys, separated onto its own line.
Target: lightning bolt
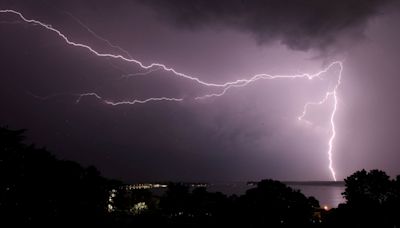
{"x": 135, "y": 101}
{"x": 331, "y": 94}
{"x": 117, "y": 56}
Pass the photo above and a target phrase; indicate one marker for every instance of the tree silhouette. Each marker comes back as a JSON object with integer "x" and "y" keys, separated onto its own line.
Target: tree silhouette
{"x": 37, "y": 188}
{"x": 372, "y": 201}
{"x": 275, "y": 204}
{"x": 367, "y": 188}
{"x": 175, "y": 200}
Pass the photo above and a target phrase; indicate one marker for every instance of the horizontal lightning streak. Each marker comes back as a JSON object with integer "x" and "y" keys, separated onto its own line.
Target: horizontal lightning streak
{"x": 80, "y": 96}
{"x": 120, "y": 57}
{"x": 245, "y": 82}
{"x": 144, "y": 101}
{"x": 136, "y": 101}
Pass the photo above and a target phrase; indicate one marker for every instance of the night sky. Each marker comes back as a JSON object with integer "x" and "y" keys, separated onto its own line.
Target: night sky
{"x": 251, "y": 132}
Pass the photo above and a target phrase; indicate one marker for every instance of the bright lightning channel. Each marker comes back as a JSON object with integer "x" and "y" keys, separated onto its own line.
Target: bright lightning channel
{"x": 332, "y": 94}
{"x": 118, "y": 56}
{"x": 127, "y": 102}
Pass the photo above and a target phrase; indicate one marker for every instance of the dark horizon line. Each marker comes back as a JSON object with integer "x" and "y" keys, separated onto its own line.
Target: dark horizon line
{"x": 308, "y": 182}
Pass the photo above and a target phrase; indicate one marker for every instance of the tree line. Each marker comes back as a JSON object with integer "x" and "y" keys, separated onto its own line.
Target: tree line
{"x": 36, "y": 188}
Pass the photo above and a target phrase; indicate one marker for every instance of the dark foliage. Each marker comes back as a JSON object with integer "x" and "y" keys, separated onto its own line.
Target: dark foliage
{"x": 273, "y": 203}
{"x": 372, "y": 201}
{"x": 38, "y": 189}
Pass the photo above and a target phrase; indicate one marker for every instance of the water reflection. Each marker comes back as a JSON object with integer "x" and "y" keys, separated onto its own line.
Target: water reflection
{"x": 330, "y": 196}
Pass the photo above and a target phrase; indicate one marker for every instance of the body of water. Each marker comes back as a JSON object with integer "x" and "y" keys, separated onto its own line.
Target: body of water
{"x": 330, "y": 196}
{"x": 327, "y": 193}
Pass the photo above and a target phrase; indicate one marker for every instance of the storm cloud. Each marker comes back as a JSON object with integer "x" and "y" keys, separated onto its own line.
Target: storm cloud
{"x": 298, "y": 24}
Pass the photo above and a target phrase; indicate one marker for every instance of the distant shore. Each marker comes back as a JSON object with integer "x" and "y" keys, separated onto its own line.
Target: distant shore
{"x": 316, "y": 183}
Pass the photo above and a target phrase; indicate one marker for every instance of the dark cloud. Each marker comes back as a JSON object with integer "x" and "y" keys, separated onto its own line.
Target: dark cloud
{"x": 298, "y": 24}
